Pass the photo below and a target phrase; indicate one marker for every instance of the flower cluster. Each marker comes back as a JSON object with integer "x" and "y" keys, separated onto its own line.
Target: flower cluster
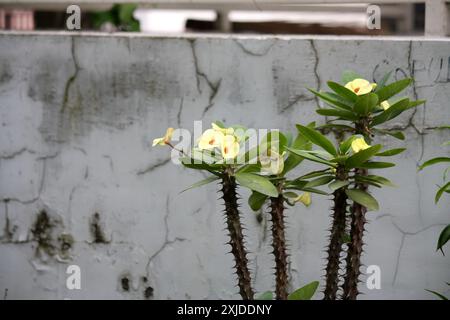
{"x": 223, "y": 139}
{"x": 361, "y": 87}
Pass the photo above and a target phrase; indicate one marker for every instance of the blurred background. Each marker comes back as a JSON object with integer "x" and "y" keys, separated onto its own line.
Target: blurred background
{"x": 237, "y": 16}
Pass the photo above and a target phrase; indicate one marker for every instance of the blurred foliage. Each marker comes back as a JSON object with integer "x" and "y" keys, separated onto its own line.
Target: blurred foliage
{"x": 120, "y": 16}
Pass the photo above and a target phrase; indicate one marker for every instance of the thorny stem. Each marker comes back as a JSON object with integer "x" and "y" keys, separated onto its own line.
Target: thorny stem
{"x": 353, "y": 259}
{"x": 236, "y": 236}
{"x": 336, "y": 239}
{"x": 279, "y": 247}
{"x": 357, "y": 227}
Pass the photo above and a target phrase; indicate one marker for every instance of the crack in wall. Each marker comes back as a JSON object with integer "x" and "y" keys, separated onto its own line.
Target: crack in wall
{"x": 316, "y": 70}
{"x": 180, "y": 110}
{"x": 153, "y": 167}
{"x": 213, "y": 86}
{"x": 41, "y": 184}
{"x": 214, "y": 90}
{"x": 297, "y": 98}
{"x": 167, "y": 241}
{"x": 404, "y": 235}
{"x": 16, "y": 153}
{"x": 110, "y": 162}
{"x": 252, "y": 53}
{"x": 72, "y": 78}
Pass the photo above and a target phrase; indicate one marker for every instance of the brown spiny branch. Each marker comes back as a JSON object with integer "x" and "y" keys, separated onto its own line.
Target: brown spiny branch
{"x": 358, "y": 221}
{"x": 336, "y": 239}
{"x": 355, "y": 247}
{"x": 279, "y": 247}
{"x": 236, "y": 236}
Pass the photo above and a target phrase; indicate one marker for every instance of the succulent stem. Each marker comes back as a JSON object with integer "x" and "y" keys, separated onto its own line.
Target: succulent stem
{"x": 357, "y": 227}
{"x": 236, "y": 236}
{"x": 279, "y": 247}
{"x": 336, "y": 240}
{"x": 355, "y": 247}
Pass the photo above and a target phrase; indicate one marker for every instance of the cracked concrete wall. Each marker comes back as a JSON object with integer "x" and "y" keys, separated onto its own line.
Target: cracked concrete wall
{"x": 80, "y": 183}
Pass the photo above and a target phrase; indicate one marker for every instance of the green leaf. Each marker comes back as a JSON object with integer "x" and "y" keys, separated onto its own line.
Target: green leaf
{"x": 296, "y": 184}
{"x": 391, "y": 152}
{"x": 347, "y": 115}
{"x": 392, "y": 89}
{"x": 314, "y": 174}
{"x": 190, "y": 163}
{"x": 389, "y": 114}
{"x": 362, "y": 156}
{"x": 294, "y": 160}
{"x": 376, "y": 165}
{"x": 363, "y": 198}
{"x": 345, "y": 145}
{"x": 348, "y": 76}
{"x": 366, "y": 103}
{"x": 434, "y": 161}
{"x": 201, "y": 183}
{"x": 331, "y": 99}
{"x": 256, "y": 200}
{"x": 337, "y": 184}
{"x": 317, "y": 138}
{"x": 319, "y": 181}
{"x": 443, "y": 238}
{"x": 377, "y": 179}
{"x": 250, "y": 168}
{"x": 441, "y": 191}
{"x": 341, "y": 127}
{"x": 396, "y": 134}
{"x": 311, "y": 157}
{"x": 257, "y": 183}
{"x": 126, "y": 11}
{"x": 383, "y": 81}
{"x": 273, "y": 140}
{"x": 268, "y": 295}
{"x": 305, "y": 292}
{"x": 342, "y": 91}
{"x": 413, "y": 104}
{"x": 313, "y": 190}
{"x": 441, "y": 296}
{"x": 289, "y": 194}
{"x": 364, "y": 180}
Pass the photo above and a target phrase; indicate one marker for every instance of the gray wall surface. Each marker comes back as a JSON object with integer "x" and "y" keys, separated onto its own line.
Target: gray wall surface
{"x": 80, "y": 183}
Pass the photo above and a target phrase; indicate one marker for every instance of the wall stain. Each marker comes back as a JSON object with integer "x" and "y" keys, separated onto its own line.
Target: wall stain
{"x": 42, "y": 234}
{"x": 96, "y": 230}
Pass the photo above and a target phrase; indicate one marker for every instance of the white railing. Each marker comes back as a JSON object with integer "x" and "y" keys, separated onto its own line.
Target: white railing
{"x": 436, "y": 17}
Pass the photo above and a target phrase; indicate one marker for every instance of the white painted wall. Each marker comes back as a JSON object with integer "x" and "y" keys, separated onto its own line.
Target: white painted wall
{"x": 78, "y": 114}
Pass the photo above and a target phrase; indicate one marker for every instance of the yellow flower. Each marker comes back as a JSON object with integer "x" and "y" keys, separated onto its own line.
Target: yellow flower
{"x": 164, "y": 140}
{"x": 359, "y": 144}
{"x": 304, "y": 198}
{"x": 272, "y": 163}
{"x": 225, "y": 131}
{"x": 385, "y": 105}
{"x": 230, "y": 147}
{"x": 210, "y": 139}
{"x": 360, "y": 86}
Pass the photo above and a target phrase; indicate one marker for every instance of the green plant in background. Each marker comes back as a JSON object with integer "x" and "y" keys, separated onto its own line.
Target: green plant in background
{"x": 343, "y": 178}
{"x": 304, "y": 293}
{"x": 275, "y": 163}
{"x": 444, "y": 236}
{"x": 216, "y": 153}
{"x": 120, "y": 16}
{"x": 359, "y": 107}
